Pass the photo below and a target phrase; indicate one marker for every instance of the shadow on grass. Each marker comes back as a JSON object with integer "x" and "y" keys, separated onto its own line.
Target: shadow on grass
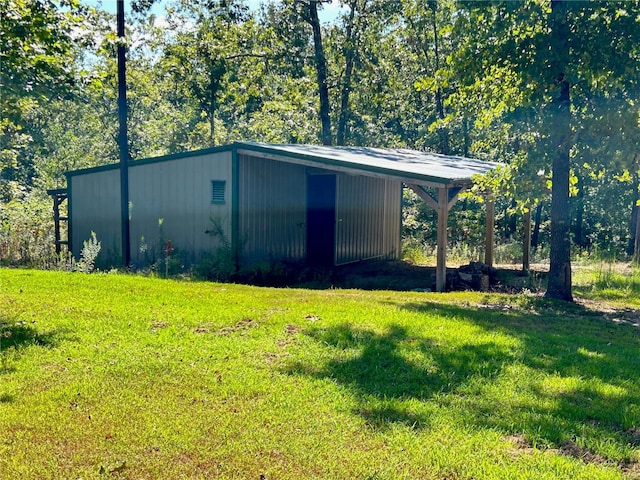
{"x": 20, "y": 334}
{"x": 573, "y": 379}
{"x": 377, "y": 369}
{"x": 558, "y": 341}
{"x": 14, "y": 336}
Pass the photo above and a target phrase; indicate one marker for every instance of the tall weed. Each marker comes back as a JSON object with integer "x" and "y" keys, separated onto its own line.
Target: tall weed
{"x": 88, "y": 255}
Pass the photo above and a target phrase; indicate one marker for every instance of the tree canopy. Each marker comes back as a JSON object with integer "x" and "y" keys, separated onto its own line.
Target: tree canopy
{"x": 549, "y": 87}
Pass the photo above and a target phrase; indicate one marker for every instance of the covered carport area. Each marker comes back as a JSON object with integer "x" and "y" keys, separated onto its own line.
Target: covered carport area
{"x": 442, "y": 202}
{"x": 437, "y": 179}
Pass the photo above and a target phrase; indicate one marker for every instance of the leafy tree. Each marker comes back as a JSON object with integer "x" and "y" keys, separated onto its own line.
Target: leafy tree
{"x": 425, "y": 30}
{"x": 552, "y": 49}
{"x": 307, "y": 10}
{"x": 37, "y": 47}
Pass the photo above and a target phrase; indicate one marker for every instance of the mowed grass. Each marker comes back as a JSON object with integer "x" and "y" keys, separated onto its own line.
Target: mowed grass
{"x": 117, "y": 376}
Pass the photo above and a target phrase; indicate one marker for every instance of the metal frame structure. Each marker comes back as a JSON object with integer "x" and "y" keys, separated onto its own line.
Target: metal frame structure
{"x": 447, "y": 175}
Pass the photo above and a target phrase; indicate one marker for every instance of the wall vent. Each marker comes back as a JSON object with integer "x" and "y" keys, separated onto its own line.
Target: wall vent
{"x": 217, "y": 191}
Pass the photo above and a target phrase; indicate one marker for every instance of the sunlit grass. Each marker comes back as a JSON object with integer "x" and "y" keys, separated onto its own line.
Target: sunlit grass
{"x": 618, "y": 283}
{"x": 130, "y": 377}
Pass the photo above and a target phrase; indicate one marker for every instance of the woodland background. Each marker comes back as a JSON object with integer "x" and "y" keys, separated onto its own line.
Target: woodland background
{"x": 543, "y": 86}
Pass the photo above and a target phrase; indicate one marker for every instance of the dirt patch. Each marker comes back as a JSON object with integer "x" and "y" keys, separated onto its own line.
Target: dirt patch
{"x": 244, "y": 324}
{"x": 399, "y": 276}
{"x": 292, "y": 329}
{"x": 202, "y": 328}
{"x": 572, "y": 449}
{"x": 631, "y": 470}
{"x": 624, "y": 316}
{"x": 634, "y": 436}
{"x": 621, "y": 316}
{"x": 274, "y": 357}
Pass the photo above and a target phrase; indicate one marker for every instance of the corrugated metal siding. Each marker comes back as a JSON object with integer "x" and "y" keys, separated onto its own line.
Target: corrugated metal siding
{"x": 178, "y": 192}
{"x": 368, "y": 218}
{"x": 271, "y": 209}
{"x": 96, "y": 208}
{"x": 392, "y": 243}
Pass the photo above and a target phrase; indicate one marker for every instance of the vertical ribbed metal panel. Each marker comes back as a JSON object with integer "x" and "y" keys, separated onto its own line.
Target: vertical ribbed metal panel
{"x": 272, "y": 210}
{"x": 96, "y": 208}
{"x": 368, "y": 218}
{"x": 179, "y": 192}
{"x": 393, "y": 220}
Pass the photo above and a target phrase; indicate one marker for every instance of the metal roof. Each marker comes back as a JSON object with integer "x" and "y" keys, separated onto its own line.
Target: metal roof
{"x": 409, "y": 166}
{"x": 402, "y": 164}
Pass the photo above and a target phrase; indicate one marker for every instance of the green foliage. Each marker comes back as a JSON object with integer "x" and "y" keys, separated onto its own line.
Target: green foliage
{"x": 279, "y": 273}
{"x": 466, "y": 224}
{"x": 212, "y": 72}
{"x": 415, "y": 252}
{"x": 610, "y": 280}
{"x": 36, "y": 46}
{"x": 36, "y": 54}
{"x": 217, "y": 266}
{"x": 524, "y": 63}
{"x": 26, "y": 230}
{"x": 221, "y": 264}
{"x": 617, "y": 283}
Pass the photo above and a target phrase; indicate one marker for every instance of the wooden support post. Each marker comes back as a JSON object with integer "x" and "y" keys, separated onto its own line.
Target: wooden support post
{"x": 58, "y": 196}
{"x": 447, "y": 197}
{"x": 489, "y": 230}
{"x": 56, "y": 222}
{"x": 441, "y": 261}
{"x": 526, "y": 246}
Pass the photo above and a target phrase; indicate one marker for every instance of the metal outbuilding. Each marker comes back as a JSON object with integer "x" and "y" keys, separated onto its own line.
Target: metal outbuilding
{"x": 320, "y": 204}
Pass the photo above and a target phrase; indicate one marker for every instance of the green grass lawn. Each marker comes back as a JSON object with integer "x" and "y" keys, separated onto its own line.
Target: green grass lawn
{"x": 116, "y": 376}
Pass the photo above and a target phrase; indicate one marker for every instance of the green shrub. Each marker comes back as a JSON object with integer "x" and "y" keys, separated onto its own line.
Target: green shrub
{"x": 416, "y": 253}
{"x": 26, "y": 232}
{"x": 217, "y": 266}
{"x": 275, "y": 273}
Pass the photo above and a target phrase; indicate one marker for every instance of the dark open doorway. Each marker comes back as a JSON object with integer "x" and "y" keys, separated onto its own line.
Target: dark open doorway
{"x": 321, "y": 215}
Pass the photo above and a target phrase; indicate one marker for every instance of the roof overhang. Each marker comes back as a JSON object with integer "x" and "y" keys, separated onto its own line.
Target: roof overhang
{"x": 408, "y": 166}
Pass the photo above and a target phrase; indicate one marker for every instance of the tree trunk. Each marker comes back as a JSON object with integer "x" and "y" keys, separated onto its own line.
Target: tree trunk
{"x": 535, "y": 235}
{"x": 442, "y": 129}
{"x": 559, "y": 284}
{"x": 633, "y": 222}
{"x": 349, "y": 56}
{"x": 579, "y": 203}
{"x": 512, "y": 226}
{"x": 321, "y": 70}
